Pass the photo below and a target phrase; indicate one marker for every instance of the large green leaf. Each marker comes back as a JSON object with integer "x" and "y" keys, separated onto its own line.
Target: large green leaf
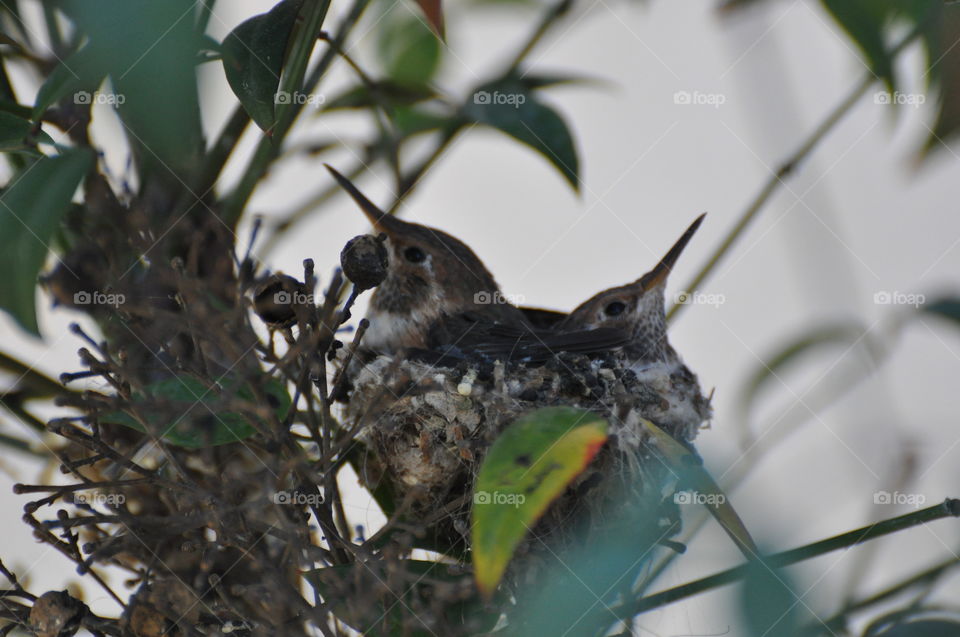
{"x": 78, "y": 74}
{"x": 30, "y": 211}
{"x": 13, "y": 132}
{"x": 526, "y": 469}
{"x": 865, "y": 21}
{"x": 150, "y": 51}
{"x": 186, "y": 412}
{"x": 409, "y": 51}
{"x": 253, "y": 55}
{"x": 511, "y": 107}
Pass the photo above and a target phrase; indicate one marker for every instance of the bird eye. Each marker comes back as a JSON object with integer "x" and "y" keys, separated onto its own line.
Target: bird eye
{"x": 414, "y": 255}
{"x": 614, "y": 309}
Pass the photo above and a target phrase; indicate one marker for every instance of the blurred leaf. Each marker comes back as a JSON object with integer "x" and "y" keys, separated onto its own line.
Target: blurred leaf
{"x": 253, "y": 55}
{"x": 186, "y": 412}
{"x": 383, "y": 92}
{"x": 770, "y": 368}
{"x": 947, "y": 307}
{"x": 535, "y": 81}
{"x": 527, "y": 468}
{"x": 78, "y": 72}
{"x": 29, "y": 379}
{"x": 150, "y": 51}
{"x": 944, "y": 75}
{"x": 729, "y": 6}
{"x": 13, "y": 132}
{"x": 769, "y": 604}
{"x": 865, "y": 22}
{"x": 30, "y": 211}
{"x": 433, "y": 12}
{"x": 409, "y": 51}
{"x": 920, "y": 628}
{"x": 413, "y": 121}
{"x": 511, "y": 108}
{"x": 694, "y": 476}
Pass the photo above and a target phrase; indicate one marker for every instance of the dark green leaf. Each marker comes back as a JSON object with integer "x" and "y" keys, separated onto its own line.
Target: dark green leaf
{"x": 921, "y": 628}
{"x": 253, "y": 55}
{"x": 386, "y": 93}
{"x": 30, "y": 211}
{"x": 150, "y": 51}
{"x": 511, "y": 108}
{"x": 769, "y": 604}
{"x": 944, "y": 63}
{"x": 409, "y": 51}
{"x": 947, "y": 307}
{"x": 186, "y": 412}
{"x": 77, "y": 75}
{"x": 865, "y": 22}
{"x": 13, "y": 132}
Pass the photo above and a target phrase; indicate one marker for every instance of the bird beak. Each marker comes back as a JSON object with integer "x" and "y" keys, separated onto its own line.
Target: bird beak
{"x": 382, "y": 222}
{"x": 658, "y": 275}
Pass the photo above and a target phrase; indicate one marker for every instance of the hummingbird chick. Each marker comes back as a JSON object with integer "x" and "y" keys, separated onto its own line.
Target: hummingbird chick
{"x": 439, "y": 302}
{"x": 638, "y": 310}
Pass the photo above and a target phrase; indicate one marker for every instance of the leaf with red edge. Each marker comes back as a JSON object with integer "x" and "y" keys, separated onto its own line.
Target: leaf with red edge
{"x": 526, "y": 469}
{"x": 433, "y": 12}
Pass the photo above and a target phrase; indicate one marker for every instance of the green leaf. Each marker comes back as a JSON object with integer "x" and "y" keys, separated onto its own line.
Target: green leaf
{"x": 253, "y": 55}
{"x": 30, "y": 211}
{"x": 511, "y": 108}
{"x": 409, "y": 51}
{"x": 946, "y": 307}
{"x": 77, "y": 75}
{"x": 943, "y": 59}
{"x": 385, "y": 92}
{"x": 769, "y": 604}
{"x": 13, "y": 132}
{"x": 150, "y": 51}
{"x": 184, "y": 411}
{"x": 526, "y": 469}
{"x": 693, "y": 475}
{"x": 920, "y": 628}
{"x": 865, "y": 22}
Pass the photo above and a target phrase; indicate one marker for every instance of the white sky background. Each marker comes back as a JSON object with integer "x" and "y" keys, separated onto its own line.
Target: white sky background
{"x": 856, "y": 220}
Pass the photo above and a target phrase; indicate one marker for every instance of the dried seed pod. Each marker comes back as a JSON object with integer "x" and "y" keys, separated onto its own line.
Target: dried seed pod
{"x": 364, "y": 261}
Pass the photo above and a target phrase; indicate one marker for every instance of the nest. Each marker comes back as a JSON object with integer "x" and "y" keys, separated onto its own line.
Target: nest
{"x": 427, "y": 428}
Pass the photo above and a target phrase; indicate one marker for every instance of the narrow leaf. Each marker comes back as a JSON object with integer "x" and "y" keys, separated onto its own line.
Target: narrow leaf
{"x": 253, "y": 55}
{"x": 76, "y": 75}
{"x": 865, "y": 22}
{"x": 947, "y": 307}
{"x": 695, "y": 476}
{"x": 30, "y": 211}
{"x": 526, "y": 469}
